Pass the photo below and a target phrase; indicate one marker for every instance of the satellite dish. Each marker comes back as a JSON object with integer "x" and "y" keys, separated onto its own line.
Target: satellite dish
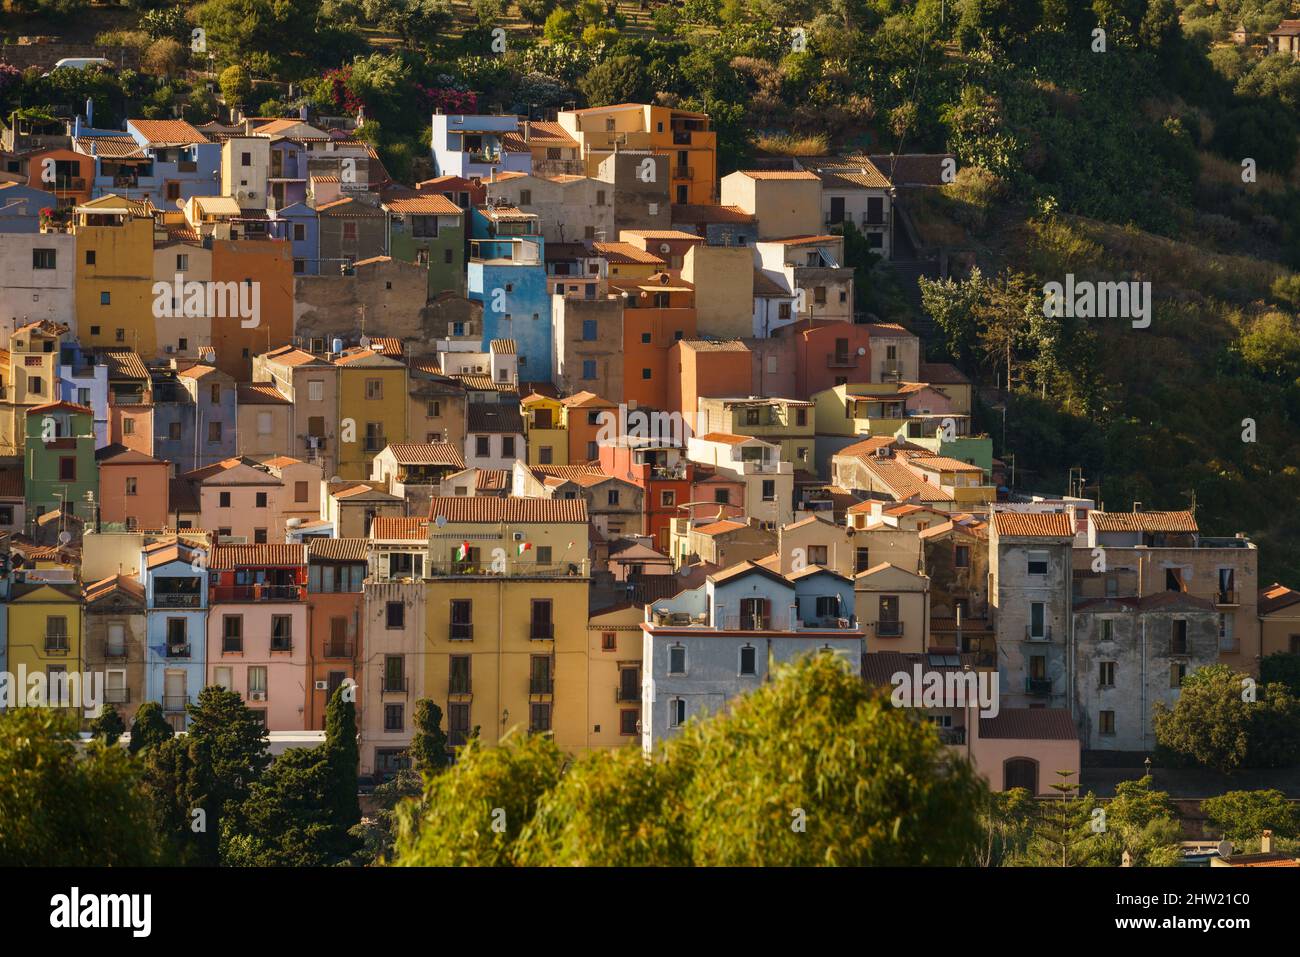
{"x": 336, "y": 479}
{"x": 1224, "y": 848}
{"x": 862, "y": 350}
{"x": 364, "y": 342}
{"x": 440, "y": 521}
{"x": 65, "y": 537}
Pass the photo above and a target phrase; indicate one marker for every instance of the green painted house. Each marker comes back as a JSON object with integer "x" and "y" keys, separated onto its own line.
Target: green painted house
{"x": 59, "y": 464}
{"x": 429, "y": 230}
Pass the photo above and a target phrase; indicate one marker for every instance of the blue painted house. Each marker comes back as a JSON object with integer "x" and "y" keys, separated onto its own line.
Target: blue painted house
{"x": 83, "y": 380}
{"x": 298, "y": 224}
{"x": 469, "y": 146}
{"x": 164, "y": 161}
{"x": 176, "y": 626}
{"x": 20, "y": 207}
{"x": 507, "y": 273}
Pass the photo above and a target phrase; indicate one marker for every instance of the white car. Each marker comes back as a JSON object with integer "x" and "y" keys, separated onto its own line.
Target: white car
{"x": 83, "y": 62}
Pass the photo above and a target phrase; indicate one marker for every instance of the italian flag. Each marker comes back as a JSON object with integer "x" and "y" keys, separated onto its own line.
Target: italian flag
{"x": 523, "y": 547}
{"x": 462, "y": 551}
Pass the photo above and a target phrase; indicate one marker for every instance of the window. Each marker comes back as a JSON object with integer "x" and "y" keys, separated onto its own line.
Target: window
{"x": 316, "y": 393}
{"x": 433, "y": 410}
{"x": 349, "y": 230}
{"x": 676, "y": 712}
{"x": 394, "y": 716}
{"x": 748, "y": 663}
{"x": 1106, "y": 722}
{"x": 43, "y": 259}
{"x": 374, "y": 388}
{"x": 232, "y": 634}
{"x": 395, "y": 614}
{"x": 645, "y": 373}
{"x": 589, "y": 368}
{"x": 608, "y": 641}
{"x": 214, "y": 432}
{"x": 482, "y": 447}
{"x": 589, "y": 330}
{"x": 299, "y": 232}
{"x": 817, "y": 554}
{"x": 769, "y": 490}
{"x": 245, "y": 159}
{"x": 888, "y": 624}
{"x": 961, "y": 556}
{"x": 67, "y": 468}
{"x": 508, "y": 446}
{"x": 174, "y": 431}
{"x": 182, "y": 262}
{"x": 394, "y": 673}
{"x": 223, "y": 499}
{"x": 462, "y": 622}
{"x": 90, "y": 257}
{"x": 627, "y": 721}
{"x": 1037, "y": 563}
{"x": 1174, "y": 580}
{"x": 36, "y": 385}
{"x": 545, "y": 455}
{"x": 1038, "y": 620}
{"x": 259, "y": 536}
{"x": 257, "y": 682}
{"x": 541, "y": 625}
{"x": 1177, "y": 672}
{"x": 861, "y": 560}
{"x": 261, "y": 500}
{"x": 224, "y": 677}
{"x": 600, "y": 197}
{"x": 281, "y": 633}
{"x": 1178, "y": 637}
{"x": 645, "y": 337}
{"x": 667, "y": 498}
{"x": 105, "y": 299}
{"x": 677, "y": 660}
{"x": 458, "y": 675}
{"x": 539, "y": 717}
{"x": 1106, "y": 678}
{"x": 132, "y": 485}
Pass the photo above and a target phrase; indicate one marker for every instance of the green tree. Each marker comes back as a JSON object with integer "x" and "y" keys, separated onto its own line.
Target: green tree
{"x": 1064, "y": 834}
{"x": 109, "y": 725}
{"x": 1242, "y": 816}
{"x": 428, "y": 748}
{"x": 1143, "y": 822}
{"x": 176, "y": 775}
{"x": 234, "y": 747}
{"x": 1281, "y": 668}
{"x": 149, "y": 727}
{"x": 619, "y": 79}
{"x": 375, "y": 833}
{"x": 1007, "y": 821}
{"x": 235, "y": 85}
{"x": 343, "y": 751}
{"x": 561, "y": 26}
{"x": 61, "y": 807}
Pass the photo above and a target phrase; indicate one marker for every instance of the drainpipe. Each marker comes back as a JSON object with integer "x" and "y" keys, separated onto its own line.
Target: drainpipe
{"x": 1143, "y": 700}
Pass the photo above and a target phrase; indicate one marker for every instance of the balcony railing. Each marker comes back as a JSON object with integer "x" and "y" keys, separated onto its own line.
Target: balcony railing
{"x": 1229, "y": 596}
{"x": 338, "y": 649}
{"x": 952, "y": 735}
{"x": 458, "y": 687}
{"x": 282, "y": 644}
{"x": 178, "y": 651}
{"x": 390, "y": 685}
{"x": 258, "y": 592}
{"x": 175, "y": 702}
{"x": 460, "y": 631}
{"x": 683, "y": 172}
{"x": 889, "y": 629}
{"x": 681, "y": 137}
{"x": 541, "y": 631}
{"x": 56, "y": 644}
{"x": 1044, "y": 635}
{"x": 177, "y": 600}
{"x": 117, "y": 695}
{"x": 841, "y": 362}
{"x": 114, "y": 652}
{"x": 1038, "y": 686}
{"x": 541, "y": 685}
{"x": 506, "y": 569}
{"x": 627, "y": 694}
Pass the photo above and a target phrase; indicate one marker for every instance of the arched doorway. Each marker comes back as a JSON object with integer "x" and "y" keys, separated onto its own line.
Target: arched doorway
{"x": 1020, "y": 773}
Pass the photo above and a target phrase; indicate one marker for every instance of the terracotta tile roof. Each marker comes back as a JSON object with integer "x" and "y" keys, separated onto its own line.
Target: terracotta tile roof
{"x": 903, "y": 483}
{"x": 715, "y": 345}
{"x": 764, "y": 285}
{"x": 867, "y": 446}
{"x": 719, "y": 528}
{"x": 863, "y": 175}
{"x": 341, "y": 490}
{"x": 390, "y": 346}
{"x": 662, "y": 234}
{"x": 432, "y": 205}
{"x": 166, "y": 552}
{"x": 225, "y": 557}
{"x": 726, "y": 438}
{"x": 168, "y": 132}
{"x": 182, "y": 496}
{"x": 114, "y": 583}
{"x": 1030, "y": 724}
{"x": 427, "y": 453}
{"x": 779, "y": 174}
{"x": 261, "y": 393}
{"x": 1143, "y": 521}
{"x": 125, "y": 364}
{"x": 941, "y": 373}
{"x": 912, "y": 169}
{"x": 885, "y": 330}
{"x": 11, "y": 482}
{"x": 1273, "y": 598}
{"x": 1034, "y": 524}
{"x": 114, "y": 147}
{"x": 879, "y": 667}
{"x": 626, "y": 253}
{"x": 584, "y": 398}
{"x": 505, "y": 347}
{"x": 289, "y": 356}
{"x": 746, "y": 568}
{"x": 280, "y": 461}
{"x": 399, "y": 528}
{"x": 347, "y": 206}
{"x": 492, "y": 480}
{"x": 494, "y": 417}
{"x": 942, "y": 463}
{"x": 696, "y": 213}
{"x": 586, "y": 476}
{"x": 552, "y": 134}
{"x": 485, "y": 509}
{"x": 60, "y": 406}
{"x": 121, "y": 455}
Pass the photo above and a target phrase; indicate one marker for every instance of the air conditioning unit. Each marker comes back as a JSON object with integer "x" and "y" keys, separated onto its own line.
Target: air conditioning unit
{"x": 257, "y": 696}
{"x": 519, "y": 536}
{"x": 322, "y": 686}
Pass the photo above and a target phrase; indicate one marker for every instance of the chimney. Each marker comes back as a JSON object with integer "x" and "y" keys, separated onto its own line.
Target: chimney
{"x": 90, "y": 113}
{"x": 1266, "y": 843}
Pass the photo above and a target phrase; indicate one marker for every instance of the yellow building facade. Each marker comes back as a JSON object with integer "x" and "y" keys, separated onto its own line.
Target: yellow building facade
{"x": 45, "y": 629}
{"x": 373, "y": 406}
{"x": 115, "y": 275}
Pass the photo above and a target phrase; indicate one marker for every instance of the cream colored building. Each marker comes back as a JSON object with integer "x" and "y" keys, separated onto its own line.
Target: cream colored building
{"x": 893, "y": 608}
{"x": 786, "y": 203}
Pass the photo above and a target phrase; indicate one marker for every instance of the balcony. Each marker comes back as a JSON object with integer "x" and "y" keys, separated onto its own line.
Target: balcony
{"x": 338, "y": 649}
{"x": 459, "y": 688}
{"x": 56, "y": 644}
{"x": 391, "y": 685}
{"x": 113, "y": 652}
{"x": 1044, "y": 635}
{"x": 186, "y": 166}
{"x": 460, "y": 631}
{"x": 541, "y": 631}
{"x": 1227, "y": 597}
{"x": 622, "y": 694}
{"x": 842, "y": 362}
{"x": 69, "y": 184}
{"x": 178, "y": 651}
{"x": 683, "y": 172}
{"x": 541, "y": 686}
{"x": 174, "y": 703}
{"x": 952, "y": 735}
{"x": 510, "y": 569}
{"x": 829, "y": 623}
{"x": 1039, "y": 687}
{"x": 681, "y": 137}
{"x": 281, "y": 645}
{"x": 252, "y": 593}
{"x": 889, "y": 629}
{"x": 117, "y": 695}
{"x": 891, "y": 369}
{"x": 177, "y": 600}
